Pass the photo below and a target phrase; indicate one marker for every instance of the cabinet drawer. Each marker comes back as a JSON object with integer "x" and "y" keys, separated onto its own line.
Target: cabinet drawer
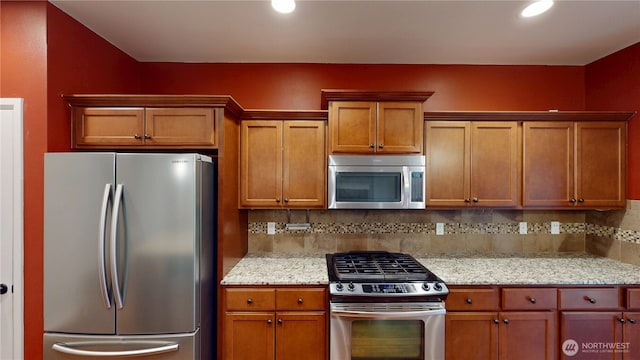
{"x": 300, "y": 299}
{"x": 633, "y": 298}
{"x": 529, "y": 299}
{"x": 473, "y": 299}
{"x": 250, "y": 299}
{"x": 589, "y": 298}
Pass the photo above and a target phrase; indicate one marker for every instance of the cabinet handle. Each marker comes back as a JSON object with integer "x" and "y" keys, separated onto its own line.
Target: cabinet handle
{"x": 136, "y": 136}
{"x": 469, "y": 301}
{"x": 269, "y": 321}
{"x": 147, "y": 136}
{"x": 632, "y": 321}
{"x": 381, "y": 146}
{"x": 532, "y": 300}
{"x": 622, "y": 320}
{"x": 286, "y": 200}
{"x": 590, "y": 299}
{"x": 506, "y": 321}
{"x": 299, "y": 300}
{"x": 372, "y": 145}
{"x": 277, "y": 200}
{"x": 572, "y": 200}
{"x": 280, "y": 321}
{"x": 249, "y": 301}
{"x": 496, "y": 321}
{"x": 475, "y": 200}
{"x": 581, "y": 200}
{"x": 467, "y": 200}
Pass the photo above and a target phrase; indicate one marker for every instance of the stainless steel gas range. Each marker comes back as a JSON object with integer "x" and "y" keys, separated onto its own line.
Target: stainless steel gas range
{"x": 384, "y": 306}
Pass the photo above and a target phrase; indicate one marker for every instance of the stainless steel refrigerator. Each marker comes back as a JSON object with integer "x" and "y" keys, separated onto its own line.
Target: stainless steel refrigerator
{"x": 129, "y": 256}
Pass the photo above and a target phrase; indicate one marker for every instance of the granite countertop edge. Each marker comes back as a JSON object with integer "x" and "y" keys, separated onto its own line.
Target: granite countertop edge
{"x": 473, "y": 270}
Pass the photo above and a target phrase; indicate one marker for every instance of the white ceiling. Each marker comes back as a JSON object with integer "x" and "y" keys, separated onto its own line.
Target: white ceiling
{"x": 573, "y": 32}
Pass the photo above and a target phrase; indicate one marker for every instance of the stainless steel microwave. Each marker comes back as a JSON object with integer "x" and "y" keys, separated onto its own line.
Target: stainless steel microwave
{"x": 376, "y": 182}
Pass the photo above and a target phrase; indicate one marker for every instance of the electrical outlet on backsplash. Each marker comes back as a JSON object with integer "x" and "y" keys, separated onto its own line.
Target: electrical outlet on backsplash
{"x": 470, "y": 232}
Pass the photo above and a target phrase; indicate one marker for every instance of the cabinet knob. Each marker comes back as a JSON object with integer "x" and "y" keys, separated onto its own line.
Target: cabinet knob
{"x": 3, "y": 289}
{"x": 467, "y": 200}
{"x": 269, "y": 321}
{"x": 381, "y": 146}
{"x": 469, "y": 301}
{"x": 572, "y": 200}
{"x": 506, "y": 321}
{"x": 632, "y": 321}
{"x": 277, "y": 200}
{"x": 532, "y": 300}
{"x": 286, "y": 200}
{"x": 496, "y": 321}
{"x": 147, "y": 136}
{"x": 590, "y": 299}
{"x": 581, "y": 200}
{"x": 622, "y": 320}
{"x": 299, "y": 300}
{"x": 280, "y": 321}
{"x": 372, "y": 146}
{"x": 249, "y": 301}
{"x": 475, "y": 200}
{"x": 136, "y": 136}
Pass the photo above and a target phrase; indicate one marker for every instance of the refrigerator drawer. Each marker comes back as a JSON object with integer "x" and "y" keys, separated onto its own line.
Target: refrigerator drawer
{"x": 156, "y": 347}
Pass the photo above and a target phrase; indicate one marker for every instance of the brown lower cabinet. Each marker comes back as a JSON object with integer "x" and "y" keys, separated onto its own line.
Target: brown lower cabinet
{"x": 265, "y": 323}
{"x": 475, "y": 330}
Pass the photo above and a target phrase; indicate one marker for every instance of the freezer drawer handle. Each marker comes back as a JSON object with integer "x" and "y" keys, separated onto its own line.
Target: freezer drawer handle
{"x": 101, "y": 254}
{"x": 114, "y": 248}
{"x": 69, "y": 349}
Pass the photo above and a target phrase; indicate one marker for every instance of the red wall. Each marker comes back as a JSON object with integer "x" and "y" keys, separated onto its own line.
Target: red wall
{"x": 297, "y": 86}
{"x": 613, "y": 83}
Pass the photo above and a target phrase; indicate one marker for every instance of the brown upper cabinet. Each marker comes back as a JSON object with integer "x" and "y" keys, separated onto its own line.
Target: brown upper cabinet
{"x": 283, "y": 162}
{"x": 472, "y": 163}
{"x": 575, "y": 164}
{"x": 370, "y": 122}
{"x": 146, "y": 121}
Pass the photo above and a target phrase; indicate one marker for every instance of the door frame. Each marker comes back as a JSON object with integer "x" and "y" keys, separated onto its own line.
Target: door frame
{"x": 12, "y": 208}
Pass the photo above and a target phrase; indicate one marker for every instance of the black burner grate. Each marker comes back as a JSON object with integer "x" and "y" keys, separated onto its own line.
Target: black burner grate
{"x": 363, "y": 266}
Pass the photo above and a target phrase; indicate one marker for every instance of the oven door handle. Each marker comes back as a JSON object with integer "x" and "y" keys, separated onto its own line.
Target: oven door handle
{"x": 386, "y": 315}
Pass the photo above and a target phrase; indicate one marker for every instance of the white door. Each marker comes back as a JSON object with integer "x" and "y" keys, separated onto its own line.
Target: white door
{"x": 11, "y": 229}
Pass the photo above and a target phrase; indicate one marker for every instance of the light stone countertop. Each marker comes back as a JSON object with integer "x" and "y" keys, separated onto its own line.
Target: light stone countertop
{"x": 287, "y": 269}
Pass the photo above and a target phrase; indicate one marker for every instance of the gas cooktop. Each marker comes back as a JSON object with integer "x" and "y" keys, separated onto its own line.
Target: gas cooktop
{"x": 380, "y": 273}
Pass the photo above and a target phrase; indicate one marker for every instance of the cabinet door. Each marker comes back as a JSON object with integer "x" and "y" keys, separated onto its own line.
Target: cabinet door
{"x": 578, "y": 328}
{"x": 399, "y": 127}
{"x": 601, "y": 164}
{"x": 249, "y": 336}
{"x": 631, "y": 335}
{"x": 301, "y": 335}
{"x": 494, "y": 164}
{"x": 352, "y": 127}
{"x": 185, "y": 127}
{"x": 548, "y": 167}
{"x": 261, "y": 163}
{"x": 304, "y": 164}
{"x": 471, "y": 335}
{"x": 528, "y": 335}
{"x": 448, "y": 155}
{"x": 107, "y": 127}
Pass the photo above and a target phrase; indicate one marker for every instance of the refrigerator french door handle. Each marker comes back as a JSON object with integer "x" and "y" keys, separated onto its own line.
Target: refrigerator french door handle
{"x": 101, "y": 244}
{"x": 117, "y": 294}
{"x": 69, "y": 349}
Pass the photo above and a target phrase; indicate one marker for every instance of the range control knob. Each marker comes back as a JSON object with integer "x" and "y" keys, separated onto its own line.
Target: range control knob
{"x": 351, "y": 287}
{"x": 339, "y": 287}
{"x": 425, "y": 286}
{"x": 437, "y": 286}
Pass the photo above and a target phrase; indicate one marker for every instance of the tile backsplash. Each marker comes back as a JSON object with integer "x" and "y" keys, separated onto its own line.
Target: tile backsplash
{"x": 615, "y": 234}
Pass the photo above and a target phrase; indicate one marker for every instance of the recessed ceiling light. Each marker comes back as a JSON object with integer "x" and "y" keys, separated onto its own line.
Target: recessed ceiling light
{"x": 283, "y": 6}
{"x": 536, "y": 8}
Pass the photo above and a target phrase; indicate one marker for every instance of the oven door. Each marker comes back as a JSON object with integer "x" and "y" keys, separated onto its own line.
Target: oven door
{"x": 376, "y": 331}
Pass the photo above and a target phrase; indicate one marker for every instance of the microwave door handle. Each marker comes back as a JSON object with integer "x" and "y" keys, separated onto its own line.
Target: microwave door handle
{"x": 387, "y": 315}
{"x": 101, "y": 244}
{"x": 406, "y": 184}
